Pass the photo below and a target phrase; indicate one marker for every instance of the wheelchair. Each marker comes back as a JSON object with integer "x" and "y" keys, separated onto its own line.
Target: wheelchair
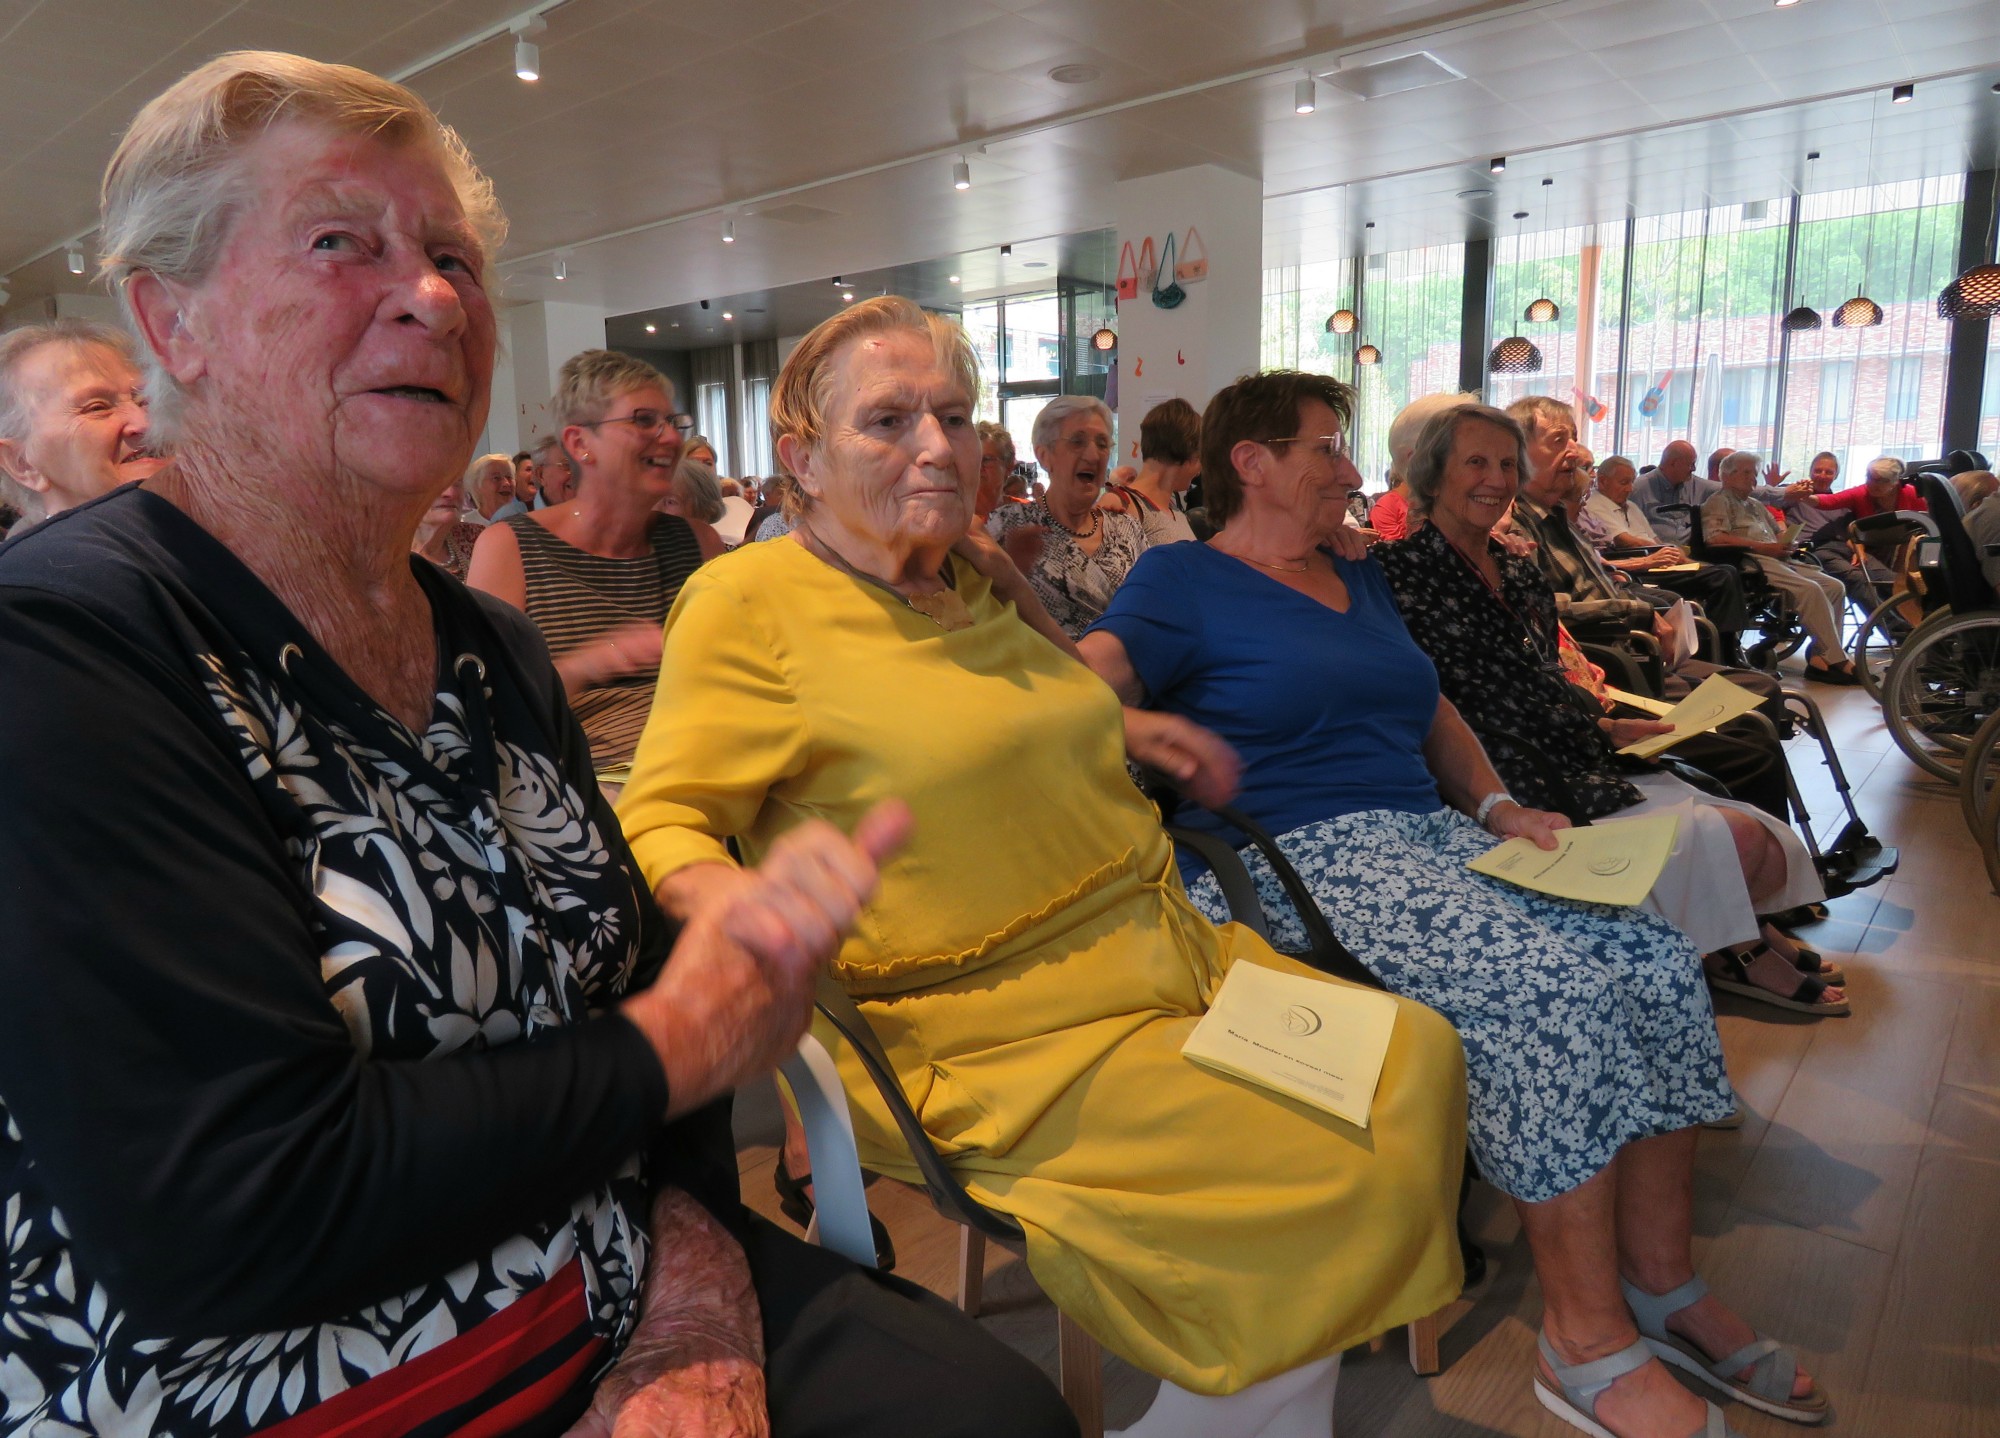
{"x": 1899, "y": 608}
{"x": 1979, "y": 795}
{"x": 1945, "y": 679}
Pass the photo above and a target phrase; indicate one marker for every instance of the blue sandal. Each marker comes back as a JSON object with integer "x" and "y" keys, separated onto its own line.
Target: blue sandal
{"x": 1584, "y": 1383}
{"x": 1773, "y": 1367}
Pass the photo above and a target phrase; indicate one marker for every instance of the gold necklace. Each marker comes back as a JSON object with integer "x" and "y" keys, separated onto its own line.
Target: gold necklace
{"x": 1262, "y": 564}
{"x": 944, "y": 609}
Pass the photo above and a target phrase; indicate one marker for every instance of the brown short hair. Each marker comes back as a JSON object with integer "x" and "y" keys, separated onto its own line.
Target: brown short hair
{"x": 1258, "y": 407}
{"x": 996, "y": 434}
{"x": 805, "y": 383}
{"x": 1170, "y": 432}
{"x": 591, "y": 381}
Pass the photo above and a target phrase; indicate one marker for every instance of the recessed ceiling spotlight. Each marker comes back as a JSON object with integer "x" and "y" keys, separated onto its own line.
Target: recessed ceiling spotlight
{"x": 1785, "y": 4}
{"x": 652, "y": 329}
{"x": 75, "y": 259}
{"x": 847, "y": 297}
{"x": 1497, "y": 165}
{"x": 961, "y": 174}
{"x": 1075, "y": 74}
{"x": 527, "y": 54}
{"x": 729, "y": 232}
{"x": 1305, "y": 95}
{"x": 1477, "y": 192}
{"x": 1903, "y": 94}
{"x": 1006, "y": 249}
{"x": 673, "y": 324}
{"x": 727, "y": 315}
{"x": 954, "y": 279}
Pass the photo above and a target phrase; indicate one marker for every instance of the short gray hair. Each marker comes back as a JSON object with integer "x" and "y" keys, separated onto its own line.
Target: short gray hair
{"x": 1410, "y": 422}
{"x": 1432, "y": 452}
{"x": 699, "y": 491}
{"x": 1739, "y": 459}
{"x": 1886, "y": 467}
{"x": 1063, "y": 408}
{"x": 1616, "y": 460}
{"x": 539, "y": 450}
{"x": 176, "y": 184}
{"x": 16, "y": 346}
{"x": 591, "y": 381}
{"x": 476, "y": 472}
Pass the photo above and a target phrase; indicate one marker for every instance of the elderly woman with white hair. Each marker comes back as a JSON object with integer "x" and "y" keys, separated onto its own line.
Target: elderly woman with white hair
{"x": 489, "y": 490}
{"x": 1074, "y": 553}
{"x": 1732, "y": 520}
{"x": 346, "y": 1079}
{"x": 73, "y": 422}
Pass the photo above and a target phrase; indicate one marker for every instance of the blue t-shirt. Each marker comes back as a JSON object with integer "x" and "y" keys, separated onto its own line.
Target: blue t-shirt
{"x": 1329, "y": 711}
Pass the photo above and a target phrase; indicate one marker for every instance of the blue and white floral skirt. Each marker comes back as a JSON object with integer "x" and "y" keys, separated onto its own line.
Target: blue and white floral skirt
{"x": 1585, "y": 1026}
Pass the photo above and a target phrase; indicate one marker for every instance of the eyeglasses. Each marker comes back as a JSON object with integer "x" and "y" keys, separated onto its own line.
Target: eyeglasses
{"x": 647, "y": 422}
{"x": 1094, "y": 443}
{"x": 1329, "y": 447}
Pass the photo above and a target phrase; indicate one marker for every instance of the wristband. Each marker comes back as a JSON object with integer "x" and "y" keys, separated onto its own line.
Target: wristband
{"x": 1489, "y": 804}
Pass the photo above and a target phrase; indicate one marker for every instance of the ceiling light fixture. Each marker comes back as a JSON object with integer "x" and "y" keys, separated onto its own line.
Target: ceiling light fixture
{"x": 1341, "y": 322}
{"x": 961, "y": 174}
{"x": 75, "y": 259}
{"x": 1802, "y": 318}
{"x": 954, "y": 279}
{"x": 1976, "y": 293}
{"x": 847, "y": 296}
{"x": 1903, "y": 94}
{"x": 1006, "y": 249}
{"x": 1542, "y": 310}
{"x": 1106, "y": 339}
{"x": 1497, "y": 165}
{"x": 1368, "y": 354}
{"x": 727, "y": 315}
{"x": 1861, "y": 313}
{"x": 652, "y": 329}
{"x": 1785, "y": 4}
{"x": 729, "y": 232}
{"x": 560, "y": 268}
{"x": 1305, "y": 95}
{"x": 527, "y": 54}
{"x": 704, "y": 304}
{"x": 1075, "y": 74}
{"x": 1515, "y": 354}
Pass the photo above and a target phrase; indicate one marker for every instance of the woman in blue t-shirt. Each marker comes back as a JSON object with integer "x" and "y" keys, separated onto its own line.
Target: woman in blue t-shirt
{"x": 1591, "y": 1047}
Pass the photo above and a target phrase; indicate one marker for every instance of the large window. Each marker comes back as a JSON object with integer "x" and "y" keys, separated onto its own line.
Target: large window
{"x": 1033, "y": 347}
{"x": 1581, "y": 270}
{"x": 1836, "y": 394}
{"x": 711, "y": 418}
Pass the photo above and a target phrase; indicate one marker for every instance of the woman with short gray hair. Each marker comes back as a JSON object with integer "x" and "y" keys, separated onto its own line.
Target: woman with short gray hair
{"x": 73, "y": 424}
{"x": 1074, "y": 554}
{"x": 344, "y": 1079}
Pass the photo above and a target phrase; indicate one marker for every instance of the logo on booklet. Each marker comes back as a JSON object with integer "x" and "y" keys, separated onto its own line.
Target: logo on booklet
{"x": 1301, "y": 1021}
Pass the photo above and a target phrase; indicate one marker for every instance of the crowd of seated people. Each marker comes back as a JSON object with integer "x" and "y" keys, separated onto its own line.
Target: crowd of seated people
{"x": 510, "y": 822}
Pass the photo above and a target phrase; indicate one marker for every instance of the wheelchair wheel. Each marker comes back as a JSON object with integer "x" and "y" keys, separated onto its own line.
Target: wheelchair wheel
{"x": 1979, "y": 781}
{"x": 1875, "y": 642}
{"x": 1945, "y": 683}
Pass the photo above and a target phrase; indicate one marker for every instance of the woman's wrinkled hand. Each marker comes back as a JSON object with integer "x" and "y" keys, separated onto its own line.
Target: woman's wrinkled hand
{"x": 1510, "y": 820}
{"x": 1630, "y": 731}
{"x": 1024, "y": 544}
{"x": 1199, "y": 761}
{"x": 985, "y": 554}
{"x": 628, "y": 649}
{"x": 1351, "y": 543}
{"x": 737, "y": 990}
{"x": 718, "y": 1398}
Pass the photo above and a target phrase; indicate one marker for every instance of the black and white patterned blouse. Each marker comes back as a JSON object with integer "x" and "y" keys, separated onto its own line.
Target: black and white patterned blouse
{"x": 1499, "y": 663}
{"x": 309, "y": 1114}
{"x": 1073, "y": 586}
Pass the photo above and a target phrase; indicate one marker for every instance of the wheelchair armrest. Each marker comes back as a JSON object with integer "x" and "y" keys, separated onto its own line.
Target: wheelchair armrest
{"x": 840, "y": 1205}
{"x": 947, "y": 1194}
{"x": 1620, "y": 667}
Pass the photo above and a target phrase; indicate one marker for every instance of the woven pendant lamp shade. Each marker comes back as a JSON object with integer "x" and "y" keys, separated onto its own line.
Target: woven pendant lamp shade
{"x": 1859, "y": 313}
{"x": 1543, "y": 310}
{"x": 1341, "y": 322}
{"x": 1805, "y": 317}
{"x": 1368, "y": 354}
{"x": 1973, "y": 295}
{"x": 1105, "y": 339}
{"x": 1515, "y": 355}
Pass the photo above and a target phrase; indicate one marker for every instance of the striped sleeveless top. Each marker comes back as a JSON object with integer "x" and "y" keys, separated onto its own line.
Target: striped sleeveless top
{"x": 575, "y": 597}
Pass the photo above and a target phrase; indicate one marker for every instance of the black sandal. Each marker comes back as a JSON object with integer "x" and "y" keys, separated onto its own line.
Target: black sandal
{"x": 1806, "y": 998}
{"x": 797, "y": 1205}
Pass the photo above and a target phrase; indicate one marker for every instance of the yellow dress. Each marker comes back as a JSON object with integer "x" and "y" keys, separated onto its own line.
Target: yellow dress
{"x": 1033, "y": 967}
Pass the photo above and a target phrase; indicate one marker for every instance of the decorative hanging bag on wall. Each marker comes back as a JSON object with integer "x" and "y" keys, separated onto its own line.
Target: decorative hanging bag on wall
{"x": 1194, "y": 258}
{"x": 1149, "y": 268}
{"x": 1171, "y": 294}
{"x": 1128, "y": 274}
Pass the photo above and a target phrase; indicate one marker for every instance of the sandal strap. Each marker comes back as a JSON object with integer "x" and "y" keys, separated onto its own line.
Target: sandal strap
{"x": 1584, "y": 1383}
{"x": 1773, "y": 1369}
{"x": 1651, "y": 1310}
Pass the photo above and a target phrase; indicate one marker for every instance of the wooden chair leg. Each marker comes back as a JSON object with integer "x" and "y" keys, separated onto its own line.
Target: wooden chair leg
{"x": 1081, "y": 1364}
{"x": 1424, "y": 1346}
{"x": 971, "y": 1269}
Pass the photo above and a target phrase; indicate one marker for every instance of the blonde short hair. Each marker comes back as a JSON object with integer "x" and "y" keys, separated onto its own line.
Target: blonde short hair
{"x": 176, "y": 184}
{"x": 805, "y": 385}
{"x": 997, "y": 435}
{"x": 591, "y": 382}
{"x": 1409, "y": 423}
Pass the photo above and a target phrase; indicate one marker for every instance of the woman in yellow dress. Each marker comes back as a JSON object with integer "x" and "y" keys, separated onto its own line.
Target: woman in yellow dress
{"x": 1030, "y": 963}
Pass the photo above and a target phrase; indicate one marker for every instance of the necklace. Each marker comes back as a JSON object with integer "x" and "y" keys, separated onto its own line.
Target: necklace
{"x": 1073, "y": 533}
{"x": 1281, "y": 568}
{"x": 944, "y": 609}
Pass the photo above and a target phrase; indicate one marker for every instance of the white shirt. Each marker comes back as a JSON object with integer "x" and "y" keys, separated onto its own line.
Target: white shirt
{"x": 1626, "y": 518}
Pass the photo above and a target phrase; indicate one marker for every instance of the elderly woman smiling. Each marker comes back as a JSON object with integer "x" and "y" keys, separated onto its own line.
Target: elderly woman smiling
{"x": 72, "y": 420}
{"x": 1074, "y": 553}
{"x": 1591, "y": 1048}
{"x": 345, "y": 1082}
{"x": 1034, "y": 980}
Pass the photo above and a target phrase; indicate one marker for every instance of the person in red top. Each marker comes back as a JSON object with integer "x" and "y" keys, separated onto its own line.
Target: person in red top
{"x": 1883, "y": 491}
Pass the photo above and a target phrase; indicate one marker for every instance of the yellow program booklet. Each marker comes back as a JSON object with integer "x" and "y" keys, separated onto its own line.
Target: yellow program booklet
{"x": 1614, "y": 861}
{"x": 1714, "y": 702}
{"x": 1311, "y": 1039}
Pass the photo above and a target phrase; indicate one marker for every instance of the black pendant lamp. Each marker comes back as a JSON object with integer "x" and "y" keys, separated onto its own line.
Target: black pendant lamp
{"x": 1976, "y": 293}
{"x": 1803, "y": 317}
{"x": 1515, "y": 354}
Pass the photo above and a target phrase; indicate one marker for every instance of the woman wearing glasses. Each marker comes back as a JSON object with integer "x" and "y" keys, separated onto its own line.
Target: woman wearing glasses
{"x": 599, "y": 573}
{"x": 1074, "y": 554}
{"x": 1591, "y": 1050}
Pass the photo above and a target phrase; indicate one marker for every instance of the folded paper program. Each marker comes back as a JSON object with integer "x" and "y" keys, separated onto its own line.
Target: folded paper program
{"x": 1615, "y": 861}
{"x": 1308, "y": 1038}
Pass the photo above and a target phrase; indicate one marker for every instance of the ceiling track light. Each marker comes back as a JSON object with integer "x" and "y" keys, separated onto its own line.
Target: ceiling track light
{"x": 952, "y": 279}
{"x": 1305, "y": 95}
{"x": 1785, "y": 4}
{"x": 961, "y": 174}
{"x": 560, "y": 268}
{"x": 1903, "y": 94}
{"x": 1497, "y": 165}
{"x": 527, "y": 54}
{"x": 75, "y": 259}
{"x": 729, "y": 232}
{"x": 652, "y": 329}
